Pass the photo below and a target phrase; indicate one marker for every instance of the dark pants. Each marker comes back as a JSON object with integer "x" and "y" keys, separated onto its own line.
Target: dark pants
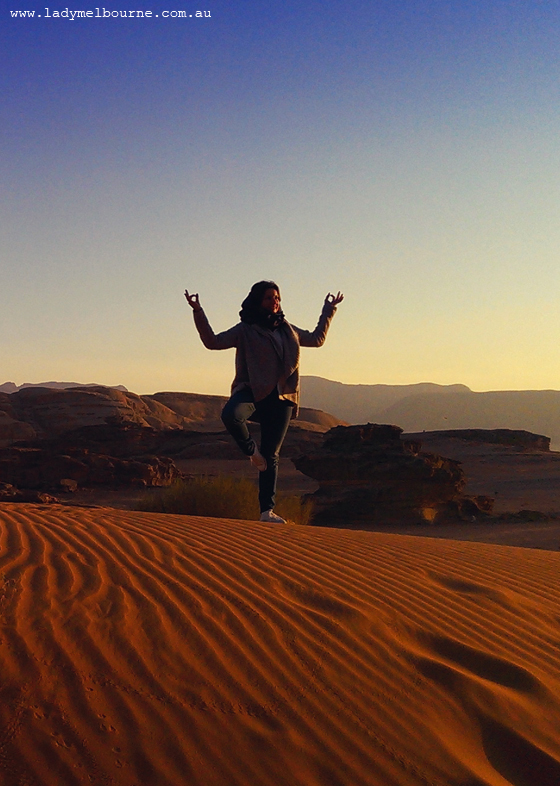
{"x": 273, "y": 414}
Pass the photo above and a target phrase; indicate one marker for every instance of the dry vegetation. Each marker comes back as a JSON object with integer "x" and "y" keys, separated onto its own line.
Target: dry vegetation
{"x": 222, "y": 497}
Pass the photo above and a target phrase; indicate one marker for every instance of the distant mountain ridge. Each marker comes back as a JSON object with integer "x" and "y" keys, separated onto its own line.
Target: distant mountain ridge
{"x": 365, "y": 403}
{"x": 424, "y": 406}
{"x": 11, "y": 387}
{"x": 430, "y": 407}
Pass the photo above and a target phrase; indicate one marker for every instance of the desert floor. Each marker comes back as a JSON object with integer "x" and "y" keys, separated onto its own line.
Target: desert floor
{"x": 141, "y": 649}
{"x": 517, "y": 481}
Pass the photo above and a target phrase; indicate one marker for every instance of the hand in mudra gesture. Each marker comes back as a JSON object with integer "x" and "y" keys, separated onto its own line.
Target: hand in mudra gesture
{"x": 193, "y": 300}
{"x": 334, "y": 300}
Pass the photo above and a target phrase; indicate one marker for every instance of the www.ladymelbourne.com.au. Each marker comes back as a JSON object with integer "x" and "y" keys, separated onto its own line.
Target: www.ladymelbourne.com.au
{"x": 106, "y": 13}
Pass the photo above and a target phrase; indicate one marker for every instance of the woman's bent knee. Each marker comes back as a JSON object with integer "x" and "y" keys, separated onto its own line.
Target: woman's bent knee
{"x": 234, "y": 414}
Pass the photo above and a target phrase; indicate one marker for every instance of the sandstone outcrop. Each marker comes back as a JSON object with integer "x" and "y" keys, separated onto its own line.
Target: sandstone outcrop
{"x": 51, "y": 412}
{"x": 368, "y": 473}
{"x": 61, "y": 439}
{"x": 45, "y": 469}
{"x": 511, "y": 438}
{"x": 9, "y": 493}
{"x": 203, "y": 412}
{"x": 46, "y": 413}
{"x": 12, "y": 427}
{"x": 194, "y": 410}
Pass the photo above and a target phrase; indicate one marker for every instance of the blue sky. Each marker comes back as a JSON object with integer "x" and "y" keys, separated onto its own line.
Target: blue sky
{"x": 405, "y": 153}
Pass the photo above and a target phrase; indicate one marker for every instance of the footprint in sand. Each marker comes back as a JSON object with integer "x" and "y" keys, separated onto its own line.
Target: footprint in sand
{"x": 515, "y": 757}
{"x": 481, "y": 664}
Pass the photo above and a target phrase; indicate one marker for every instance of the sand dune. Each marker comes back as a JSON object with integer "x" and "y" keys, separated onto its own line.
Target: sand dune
{"x": 142, "y": 649}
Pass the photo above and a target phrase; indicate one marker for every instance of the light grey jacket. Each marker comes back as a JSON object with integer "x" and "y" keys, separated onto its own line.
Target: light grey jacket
{"x": 260, "y": 363}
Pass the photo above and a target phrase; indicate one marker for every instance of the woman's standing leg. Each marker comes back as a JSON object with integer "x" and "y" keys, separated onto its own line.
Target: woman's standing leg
{"x": 274, "y": 416}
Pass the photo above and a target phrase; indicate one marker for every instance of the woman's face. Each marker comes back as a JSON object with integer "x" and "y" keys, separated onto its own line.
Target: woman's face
{"x": 271, "y": 301}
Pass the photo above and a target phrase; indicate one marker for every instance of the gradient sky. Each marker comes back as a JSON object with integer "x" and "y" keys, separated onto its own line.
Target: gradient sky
{"x": 406, "y": 153}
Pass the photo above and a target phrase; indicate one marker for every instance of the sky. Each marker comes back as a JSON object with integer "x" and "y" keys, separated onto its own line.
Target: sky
{"x": 404, "y": 153}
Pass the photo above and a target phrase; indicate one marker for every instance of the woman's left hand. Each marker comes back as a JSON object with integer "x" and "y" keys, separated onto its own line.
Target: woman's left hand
{"x": 334, "y": 300}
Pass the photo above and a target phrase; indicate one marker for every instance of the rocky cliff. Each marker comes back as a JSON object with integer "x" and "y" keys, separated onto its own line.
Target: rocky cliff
{"x": 54, "y": 439}
{"x": 46, "y": 413}
{"x": 367, "y": 473}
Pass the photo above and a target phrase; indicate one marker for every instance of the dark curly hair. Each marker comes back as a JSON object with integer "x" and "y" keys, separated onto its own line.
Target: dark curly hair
{"x": 251, "y": 309}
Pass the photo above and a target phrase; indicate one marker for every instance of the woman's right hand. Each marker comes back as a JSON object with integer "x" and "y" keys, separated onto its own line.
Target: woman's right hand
{"x": 193, "y": 301}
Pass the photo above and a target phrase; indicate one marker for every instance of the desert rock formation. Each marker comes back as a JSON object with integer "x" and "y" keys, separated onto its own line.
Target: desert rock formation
{"x": 46, "y": 413}
{"x": 54, "y": 438}
{"x": 516, "y": 468}
{"x": 368, "y": 473}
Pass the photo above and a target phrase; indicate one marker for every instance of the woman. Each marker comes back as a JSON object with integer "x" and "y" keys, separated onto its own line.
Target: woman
{"x": 266, "y": 384}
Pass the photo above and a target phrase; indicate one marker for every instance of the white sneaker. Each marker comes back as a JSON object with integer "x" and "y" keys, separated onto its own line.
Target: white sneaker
{"x": 270, "y": 516}
{"x": 258, "y": 460}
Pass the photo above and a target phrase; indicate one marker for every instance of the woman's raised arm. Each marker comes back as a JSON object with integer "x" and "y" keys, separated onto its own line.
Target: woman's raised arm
{"x": 316, "y": 338}
{"x": 225, "y": 340}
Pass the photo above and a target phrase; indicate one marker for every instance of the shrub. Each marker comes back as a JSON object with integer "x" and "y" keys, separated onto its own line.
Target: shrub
{"x": 222, "y": 497}
{"x": 294, "y": 508}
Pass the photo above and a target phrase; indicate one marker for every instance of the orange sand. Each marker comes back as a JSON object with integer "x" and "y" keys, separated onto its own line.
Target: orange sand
{"x": 137, "y": 648}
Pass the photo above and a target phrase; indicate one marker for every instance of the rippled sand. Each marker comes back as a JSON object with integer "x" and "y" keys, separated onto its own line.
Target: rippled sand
{"x": 137, "y": 648}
